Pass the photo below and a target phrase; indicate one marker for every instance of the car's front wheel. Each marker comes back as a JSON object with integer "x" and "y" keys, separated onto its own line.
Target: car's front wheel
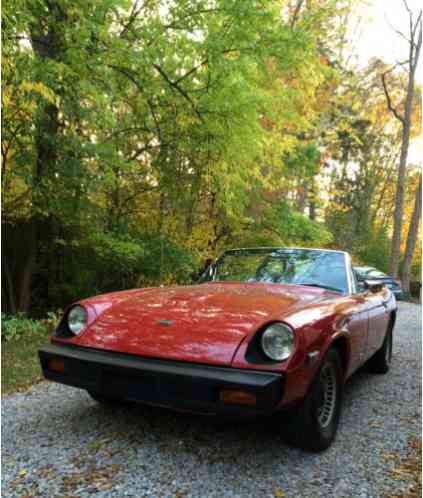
{"x": 315, "y": 423}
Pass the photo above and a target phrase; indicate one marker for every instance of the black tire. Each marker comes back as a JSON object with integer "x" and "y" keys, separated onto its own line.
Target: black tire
{"x": 313, "y": 426}
{"x": 104, "y": 400}
{"x": 380, "y": 362}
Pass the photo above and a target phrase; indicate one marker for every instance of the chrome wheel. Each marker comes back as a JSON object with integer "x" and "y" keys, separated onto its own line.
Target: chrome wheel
{"x": 327, "y": 395}
{"x": 316, "y": 420}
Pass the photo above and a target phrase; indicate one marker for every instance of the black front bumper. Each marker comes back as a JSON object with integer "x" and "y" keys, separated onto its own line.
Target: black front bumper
{"x": 177, "y": 385}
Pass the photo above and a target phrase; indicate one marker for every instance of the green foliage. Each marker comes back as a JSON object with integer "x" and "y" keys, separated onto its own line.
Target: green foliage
{"x": 120, "y": 253}
{"x": 15, "y": 326}
{"x": 164, "y": 261}
{"x": 277, "y": 224}
{"x": 294, "y": 228}
{"x": 416, "y": 270}
{"x": 140, "y": 138}
{"x": 105, "y": 262}
{"x": 304, "y": 161}
{"x": 19, "y": 356}
{"x": 375, "y": 252}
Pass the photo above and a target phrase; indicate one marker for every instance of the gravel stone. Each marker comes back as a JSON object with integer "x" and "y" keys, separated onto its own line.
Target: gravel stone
{"x": 57, "y": 442}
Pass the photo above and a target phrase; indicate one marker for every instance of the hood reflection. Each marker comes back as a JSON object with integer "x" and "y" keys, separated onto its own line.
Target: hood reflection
{"x": 208, "y": 321}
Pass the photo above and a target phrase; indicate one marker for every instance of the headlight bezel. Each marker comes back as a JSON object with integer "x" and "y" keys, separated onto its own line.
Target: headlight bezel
{"x": 273, "y": 328}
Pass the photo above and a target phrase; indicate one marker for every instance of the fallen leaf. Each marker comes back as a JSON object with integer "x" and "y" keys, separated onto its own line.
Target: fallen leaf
{"x": 103, "y": 486}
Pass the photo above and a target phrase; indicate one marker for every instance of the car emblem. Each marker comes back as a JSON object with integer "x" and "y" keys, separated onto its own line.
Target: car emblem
{"x": 166, "y": 323}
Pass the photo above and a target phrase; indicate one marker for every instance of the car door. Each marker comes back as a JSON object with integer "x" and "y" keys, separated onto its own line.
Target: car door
{"x": 358, "y": 324}
{"x": 378, "y": 319}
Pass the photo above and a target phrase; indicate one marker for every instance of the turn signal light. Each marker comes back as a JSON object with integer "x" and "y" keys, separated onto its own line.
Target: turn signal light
{"x": 56, "y": 365}
{"x": 238, "y": 398}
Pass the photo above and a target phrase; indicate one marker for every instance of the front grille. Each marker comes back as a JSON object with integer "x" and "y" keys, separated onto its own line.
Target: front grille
{"x": 178, "y": 385}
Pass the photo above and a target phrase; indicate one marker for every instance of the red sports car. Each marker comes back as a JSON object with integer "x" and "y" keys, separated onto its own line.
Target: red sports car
{"x": 264, "y": 330}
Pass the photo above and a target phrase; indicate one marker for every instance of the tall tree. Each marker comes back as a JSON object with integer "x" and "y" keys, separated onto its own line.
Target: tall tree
{"x": 414, "y": 39}
{"x": 127, "y": 118}
{"x": 412, "y": 238}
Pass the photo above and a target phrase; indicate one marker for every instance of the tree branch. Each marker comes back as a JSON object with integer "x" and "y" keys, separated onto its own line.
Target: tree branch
{"x": 135, "y": 12}
{"x": 141, "y": 150}
{"x": 174, "y": 85}
{"x": 127, "y": 73}
{"x": 296, "y": 12}
{"x": 388, "y": 99}
{"x": 125, "y": 130}
{"x": 191, "y": 71}
{"x": 407, "y": 7}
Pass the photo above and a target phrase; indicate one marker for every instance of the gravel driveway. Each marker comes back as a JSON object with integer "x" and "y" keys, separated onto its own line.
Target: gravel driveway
{"x": 57, "y": 442}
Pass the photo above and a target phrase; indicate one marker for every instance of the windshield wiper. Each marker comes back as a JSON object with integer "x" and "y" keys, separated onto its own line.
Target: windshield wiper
{"x": 323, "y": 286}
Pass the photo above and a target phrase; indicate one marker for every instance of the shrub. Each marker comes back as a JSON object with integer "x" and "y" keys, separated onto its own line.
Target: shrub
{"x": 15, "y": 326}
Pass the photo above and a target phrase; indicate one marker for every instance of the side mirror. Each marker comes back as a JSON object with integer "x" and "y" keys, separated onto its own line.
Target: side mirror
{"x": 361, "y": 287}
{"x": 207, "y": 274}
{"x": 210, "y": 271}
{"x": 374, "y": 286}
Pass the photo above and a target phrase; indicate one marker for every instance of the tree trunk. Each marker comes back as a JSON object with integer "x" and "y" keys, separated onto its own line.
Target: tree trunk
{"x": 28, "y": 270}
{"x": 399, "y": 196}
{"x": 415, "y": 42}
{"x": 45, "y": 166}
{"x": 312, "y": 201}
{"x": 46, "y": 46}
{"x": 302, "y": 196}
{"x": 9, "y": 285}
{"x": 411, "y": 239}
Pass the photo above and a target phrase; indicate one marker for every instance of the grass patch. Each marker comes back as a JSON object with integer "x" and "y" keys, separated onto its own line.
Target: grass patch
{"x": 19, "y": 356}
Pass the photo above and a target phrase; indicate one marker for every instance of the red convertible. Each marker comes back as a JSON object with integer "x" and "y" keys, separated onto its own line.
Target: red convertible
{"x": 265, "y": 330}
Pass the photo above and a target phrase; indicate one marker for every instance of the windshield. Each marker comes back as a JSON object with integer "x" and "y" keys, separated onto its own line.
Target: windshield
{"x": 324, "y": 269}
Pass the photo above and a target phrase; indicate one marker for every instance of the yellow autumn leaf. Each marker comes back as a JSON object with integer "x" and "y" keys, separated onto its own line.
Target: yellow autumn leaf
{"x": 41, "y": 89}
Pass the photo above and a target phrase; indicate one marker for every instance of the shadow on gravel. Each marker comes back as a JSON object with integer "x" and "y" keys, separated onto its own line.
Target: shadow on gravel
{"x": 131, "y": 424}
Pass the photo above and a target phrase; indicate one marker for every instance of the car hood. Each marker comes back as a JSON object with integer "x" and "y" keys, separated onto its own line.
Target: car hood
{"x": 201, "y": 323}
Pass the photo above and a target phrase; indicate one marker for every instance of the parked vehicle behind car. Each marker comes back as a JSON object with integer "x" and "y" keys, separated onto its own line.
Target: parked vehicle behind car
{"x": 370, "y": 273}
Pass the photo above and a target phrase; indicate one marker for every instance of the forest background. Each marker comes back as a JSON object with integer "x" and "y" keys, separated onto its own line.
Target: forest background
{"x": 141, "y": 138}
